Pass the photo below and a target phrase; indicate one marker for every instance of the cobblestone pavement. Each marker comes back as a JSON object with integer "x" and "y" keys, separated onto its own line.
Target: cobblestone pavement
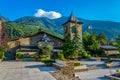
{"x": 25, "y": 71}
{"x": 97, "y": 74}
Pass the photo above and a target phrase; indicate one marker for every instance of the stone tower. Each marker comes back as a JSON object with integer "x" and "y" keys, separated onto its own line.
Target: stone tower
{"x": 69, "y": 27}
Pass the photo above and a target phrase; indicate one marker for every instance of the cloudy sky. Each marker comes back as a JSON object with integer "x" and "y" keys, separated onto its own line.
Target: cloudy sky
{"x": 87, "y": 9}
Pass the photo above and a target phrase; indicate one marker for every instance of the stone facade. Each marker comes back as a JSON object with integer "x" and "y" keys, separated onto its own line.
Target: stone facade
{"x": 29, "y": 53}
{"x": 33, "y": 40}
{"x": 70, "y": 25}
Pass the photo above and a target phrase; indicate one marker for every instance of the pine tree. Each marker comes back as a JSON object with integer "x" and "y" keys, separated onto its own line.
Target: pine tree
{"x": 77, "y": 43}
{"x": 67, "y": 47}
{"x": 118, "y": 43}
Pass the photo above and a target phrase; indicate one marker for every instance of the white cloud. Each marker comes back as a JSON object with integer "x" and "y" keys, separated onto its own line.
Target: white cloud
{"x": 48, "y": 14}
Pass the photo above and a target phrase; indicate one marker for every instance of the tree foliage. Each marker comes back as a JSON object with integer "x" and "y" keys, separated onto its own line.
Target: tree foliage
{"x": 77, "y": 43}
{"x": 90, "y": 42}
{"x": 118, "y": 43}
{"x": 101, "y": 38}
{"x": 112, "y": 41}
{"x": 67, "y": 47}
{"x": 71, "y": 48}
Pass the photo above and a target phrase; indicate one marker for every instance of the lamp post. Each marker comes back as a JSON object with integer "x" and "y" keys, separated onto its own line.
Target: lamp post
{"x": 90, "y": 28}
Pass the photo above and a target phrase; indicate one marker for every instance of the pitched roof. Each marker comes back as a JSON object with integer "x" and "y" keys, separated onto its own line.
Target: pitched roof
{"x": 108, "y": 47}
{"x": 44, "y": 38}
{"x": 28, "y": 48}
{"x": 73, "y": 19}
{"x": 41, "y": 32}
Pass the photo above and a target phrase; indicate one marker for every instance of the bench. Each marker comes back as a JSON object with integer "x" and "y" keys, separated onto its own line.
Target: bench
{"x": 59, "y": 64}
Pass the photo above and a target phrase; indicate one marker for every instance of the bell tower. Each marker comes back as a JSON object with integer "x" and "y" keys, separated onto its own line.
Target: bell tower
{"x": 70, "y": 25}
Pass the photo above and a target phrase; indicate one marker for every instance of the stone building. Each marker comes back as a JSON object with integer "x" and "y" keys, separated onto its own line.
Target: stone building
{"x": 70, "y": 25}
{"x": 29, "y": 45}
{"x": 109, "y": 49}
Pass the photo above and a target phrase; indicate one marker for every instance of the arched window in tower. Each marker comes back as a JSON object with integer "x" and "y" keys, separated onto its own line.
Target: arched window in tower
{"x": 73, "y": 29}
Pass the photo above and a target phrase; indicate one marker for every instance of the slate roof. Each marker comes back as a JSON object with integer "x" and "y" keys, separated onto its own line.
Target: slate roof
{"x": 108, "y": 47}
{"x": 73, "y": 19}
{"x": 28, "y": 48}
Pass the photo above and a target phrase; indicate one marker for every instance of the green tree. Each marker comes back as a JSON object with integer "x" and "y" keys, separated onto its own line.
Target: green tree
{"x": 90, "y": 43}
{"x": 118, "y": 43}
{"x": 67, "y": 47}
{"x": 47, "y": 50}
{"x": 112, "y": 41}
{"x": 101, "y": 38}
{"x": 86, "y": 37}
{"x": 77, "y": 43}
{"x": 94, "y": 44}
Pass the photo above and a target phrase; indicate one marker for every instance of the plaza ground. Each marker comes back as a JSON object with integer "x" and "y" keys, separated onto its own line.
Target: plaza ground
{"x": 12, "y": 70}
{"x": 95, "y": 74}
{"x": 25, "y": 71}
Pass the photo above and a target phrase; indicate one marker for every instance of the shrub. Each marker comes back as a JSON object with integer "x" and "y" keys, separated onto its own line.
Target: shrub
{"x": 118, "y": 70}
{"x": 108, "y": 61}
{"x": 77, "y": 64}
{"x": 84, "y": 54}
{"x": 48, "y": 61}
{"x": 61, "y": 56}
{"x": 19, "y": 55}
{"x": 36, "y": 58}
{"x": 47, "y": 51}
{"x": 1, "y": 54}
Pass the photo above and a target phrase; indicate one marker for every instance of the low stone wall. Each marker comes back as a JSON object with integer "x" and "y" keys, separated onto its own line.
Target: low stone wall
{"x": 67, "y": 69}
{"x": 81, "y": 68}
{"x": 112, "y": 77}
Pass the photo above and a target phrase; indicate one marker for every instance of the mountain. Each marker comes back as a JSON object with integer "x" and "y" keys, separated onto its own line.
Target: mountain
{"x": 31, "y": 25}
{"x": 4, "y": 19}
{"x": 111, "y": 29}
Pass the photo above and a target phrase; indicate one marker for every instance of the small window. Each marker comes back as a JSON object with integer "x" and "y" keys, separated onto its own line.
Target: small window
{"x": 73, "y": 29}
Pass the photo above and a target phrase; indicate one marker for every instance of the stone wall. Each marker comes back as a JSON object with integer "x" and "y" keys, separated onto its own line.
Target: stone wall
{"x": 68, "y": 69}
{"x": 70, "y": 27}
{"x": 29, "y": 54}
{"x": 43, "y": 44}
{"x": 33, "y": 40}
{"x": 111, "y": 51}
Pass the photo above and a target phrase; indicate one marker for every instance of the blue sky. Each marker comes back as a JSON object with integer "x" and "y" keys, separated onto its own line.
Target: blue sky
{"x": 87, "y": 9}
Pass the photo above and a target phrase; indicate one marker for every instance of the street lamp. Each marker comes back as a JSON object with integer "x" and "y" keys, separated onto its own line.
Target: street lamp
{"x": 90, "y": 28}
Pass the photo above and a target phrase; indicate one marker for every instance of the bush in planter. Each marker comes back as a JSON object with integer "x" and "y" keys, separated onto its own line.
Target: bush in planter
{"x": 48, "y": 61}
{"x": 1, "y": 55}
{"x": 19, "y": 55}
{"x": 61, "y": 56}
{"x": 36, "y": 58}
{"x": 108, "y": 61}
{"x": 117, "y": 72}
{"x": 84, "y": 54}
{"x": 77, "y": 64}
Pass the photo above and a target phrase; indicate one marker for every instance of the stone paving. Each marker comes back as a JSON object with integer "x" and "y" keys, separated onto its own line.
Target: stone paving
{"x": 97, "y": 74}
{"x": 25, "y": 71}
